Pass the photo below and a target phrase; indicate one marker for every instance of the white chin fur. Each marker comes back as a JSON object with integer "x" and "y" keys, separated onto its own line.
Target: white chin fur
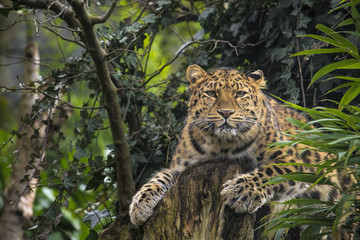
{"x": 226, "y": 132}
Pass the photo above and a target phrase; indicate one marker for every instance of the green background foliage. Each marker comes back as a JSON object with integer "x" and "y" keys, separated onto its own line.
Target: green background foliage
{"x": 149, "y": 48}
{"x": 337, "y": 133}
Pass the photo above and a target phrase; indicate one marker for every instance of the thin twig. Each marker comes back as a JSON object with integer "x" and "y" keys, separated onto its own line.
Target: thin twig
{"x": 182, "y": 40}
{"x": 9, "y": 26}
{"x": 24, "y": 60}
{"x": 141, "y": 13}
{"x": 54, "y": 16}
{"x": 48, "y": 95}
{"x": 66, "y": 28}
{"x": 64, "y": 38}
{"x": 301, "y": 82}
{"x": 300, "y": 67}
{"x": 179, "y": 52}
{"x": 147, "y": 52}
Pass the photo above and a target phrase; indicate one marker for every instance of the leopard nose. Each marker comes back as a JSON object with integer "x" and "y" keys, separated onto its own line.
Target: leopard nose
{"x": 225, "y": 113}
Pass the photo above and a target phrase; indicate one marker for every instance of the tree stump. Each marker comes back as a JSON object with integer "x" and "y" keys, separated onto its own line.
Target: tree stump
{"x": 194, "y": 208}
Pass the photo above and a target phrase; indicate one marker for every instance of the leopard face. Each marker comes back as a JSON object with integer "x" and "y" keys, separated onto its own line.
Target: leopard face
{"x": 226, "y": 103}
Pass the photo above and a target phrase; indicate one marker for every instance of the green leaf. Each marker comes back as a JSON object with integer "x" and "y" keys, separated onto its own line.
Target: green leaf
{"x": 348, "y": 118}
{"x": 306, "y": 177}
{"x": 350, "y": 94}
{"x": 346, "y": 22}
{"x": 345, "y": 139}
{"x": 299, "y": 123}
{"x": 308, "y": 201}
{"x": 319, "y": 51}
{"x": 348, "y": 4}
{"x": 348, "y": 78}
{"x": 355, "y": 65}
{"x": 341, "y": 86}
{"x": 80, "y": 153}
{"x": 313, "y": 231}
{"x": 135, "y": 27}
{"x": 280, "y": 234}
{"x": 344, "y": 206}
{"x": 93, "y": 183}
{"x": 356, "y": 15}
{"x": 324, "y": 39}
{"x": 132, "y": 59}
{"x": 356, "y": 34}
{"x": 336, "y": 36}
{"x": 321, "y": 121}
{"x": 139, "y": 157}
{"x": 353, "y": 146}
{"x": 331, "y": 67}
{"x": 92, "y": 235}
{"x": 150, "y": 18}
{"x": 68, "y": 184}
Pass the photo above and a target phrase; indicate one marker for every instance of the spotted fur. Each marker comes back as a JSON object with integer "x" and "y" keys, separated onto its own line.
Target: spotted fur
{"x": 229, "y": 117}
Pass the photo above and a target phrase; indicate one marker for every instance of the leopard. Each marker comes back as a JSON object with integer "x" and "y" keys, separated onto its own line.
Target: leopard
{"x": 230, "y": 116}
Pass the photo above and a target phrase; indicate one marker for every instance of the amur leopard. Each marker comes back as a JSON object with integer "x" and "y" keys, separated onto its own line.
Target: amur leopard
{"x": 229, "y": 117}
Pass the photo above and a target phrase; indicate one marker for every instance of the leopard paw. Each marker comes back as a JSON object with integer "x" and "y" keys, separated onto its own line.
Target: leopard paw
{"x": 146, "y": 199}
{"x": 245, "y": 193}
{"x": 142, "y": 207}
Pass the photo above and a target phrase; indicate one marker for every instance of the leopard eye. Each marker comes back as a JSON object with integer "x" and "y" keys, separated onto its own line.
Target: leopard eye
{"x": 211, "y": 93}
{"x": 240, "y": 94}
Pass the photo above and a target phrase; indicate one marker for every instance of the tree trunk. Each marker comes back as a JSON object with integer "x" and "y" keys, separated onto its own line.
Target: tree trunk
{"x": 17, "y": 212}
{"x": 194, "y": 208}
{"x": 125, "y": 182}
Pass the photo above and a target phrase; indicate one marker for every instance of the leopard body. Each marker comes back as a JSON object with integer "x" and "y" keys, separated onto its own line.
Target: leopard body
{"x": 229, "y": 117}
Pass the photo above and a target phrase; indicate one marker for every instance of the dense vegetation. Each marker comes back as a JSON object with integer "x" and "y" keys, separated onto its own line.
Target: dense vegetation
{"x": 149, "y": 45}
{"x": 337, "y": 133}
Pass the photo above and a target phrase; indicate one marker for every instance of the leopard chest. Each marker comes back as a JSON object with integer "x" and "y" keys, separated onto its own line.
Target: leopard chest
{"x": 200, "y": 147}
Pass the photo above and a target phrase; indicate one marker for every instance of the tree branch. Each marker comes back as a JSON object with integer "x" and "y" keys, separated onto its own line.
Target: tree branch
{"x": 55, "y": 6}
{"x": 126, "y": 186}
{"x": 49, "y": 96}
{"x": 64, "y": 38}
{"x": 105, "y": 17}
{"x": 182, "y": 49}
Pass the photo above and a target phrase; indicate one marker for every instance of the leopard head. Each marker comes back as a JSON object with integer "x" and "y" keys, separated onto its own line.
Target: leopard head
{"x": 226, "y": 102}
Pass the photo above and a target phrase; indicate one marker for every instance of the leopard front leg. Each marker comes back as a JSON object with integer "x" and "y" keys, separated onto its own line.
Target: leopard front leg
{"x": 247, "y": 192}
{"x": 146, "y": 199}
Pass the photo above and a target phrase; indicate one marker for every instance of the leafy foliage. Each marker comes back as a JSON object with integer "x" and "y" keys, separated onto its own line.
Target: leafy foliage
{"x": 338, "y": 134}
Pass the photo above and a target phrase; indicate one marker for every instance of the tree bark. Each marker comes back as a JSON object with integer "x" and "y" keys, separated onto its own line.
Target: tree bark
{"x": 194, "y": 208}
{"x": 17, "y": 212}
{"x": 126, "y": 186}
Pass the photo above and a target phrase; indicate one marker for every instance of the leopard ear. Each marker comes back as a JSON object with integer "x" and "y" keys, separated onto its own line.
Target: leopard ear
{"x": 258, "y": 77}
{"x": 194, "y": 73}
